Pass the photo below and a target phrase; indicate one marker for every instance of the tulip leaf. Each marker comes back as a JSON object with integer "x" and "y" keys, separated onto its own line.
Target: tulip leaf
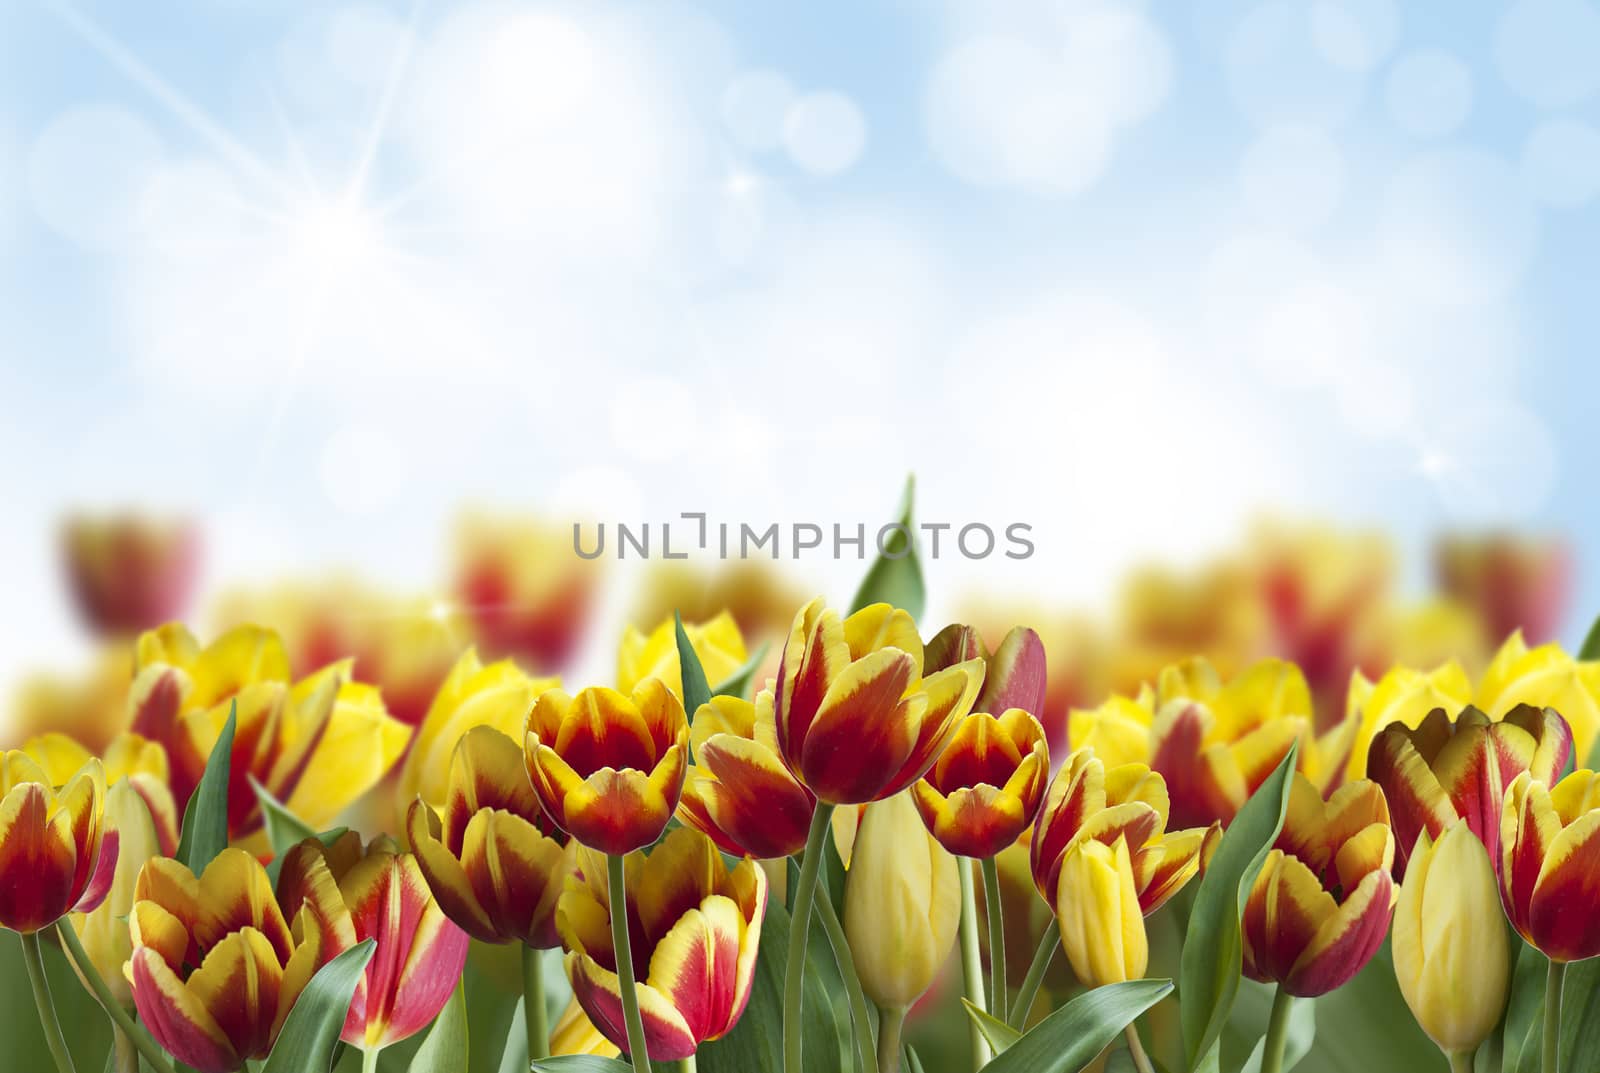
{"x": 1213, "y": 949}
{"x": 1073, "y": 1036}
{"x": 205, "y": 818}
{"x": 1580, "y": 1014}
{"x": 284, "y": 829}
{"x": 445, "y": 1049}
{"x": 913, "y": 1064}
{"x": 514, "y": 1059}
{"x": 695, "y": 690}
{"x": 1299, "y": 1035}
{"x": 583, "y": 1063}
{"x": 1591, "y": 643}
{"x": 895, "y": 576}
{"x": 999, "y": 1035}
{"x": 311, "y": 1031}
{"x": 741, "y": 682}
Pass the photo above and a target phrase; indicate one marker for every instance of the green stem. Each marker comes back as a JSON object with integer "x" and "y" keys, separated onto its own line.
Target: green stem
{"x": 1552, "y": 1016}
{"x": 892, "y": 1019}
{"x": 687, "y": 1065}
{"x": 41, "y": 999}
{"x": 794, "y": 977}
{"x": 860, "y": 1011}
{"x": 534, "y": 1016}
{"x": 1461, "y": 1062}
{"x": 638, "y": 1050}
{"x": 1141, "y": 1061}
{"x": 1040, "y": 965}
{"x": 972, "y": 961}
{"x": 1277, "y": 1031}
{"x": 992, "y": 910}
{"x": 149, "y": 1049}
{"x": 369, "y": 1059}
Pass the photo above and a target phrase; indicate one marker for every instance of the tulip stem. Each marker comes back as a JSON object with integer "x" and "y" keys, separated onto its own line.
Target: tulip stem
{"x": 616, "y": 881}
{"x": 41, "y": 998}
{"x": 1552, "y": 1016}
{"x": 1141, "y": 1061}
{"x": 687, "y": 1065}
{"x": 892, "y": 1019}
{"x": 534, "y": 1016}
{"x": 1461, "y": 1062}
{"x": 369, "y": 1059}
{"x": 972, "y": 962}
{"x": 997, "y": 938}
{"x": 1040, "y": 965}
{"x": 794, "y": 976}
{"x": 860, "y": 1011}
{"x": 1277, "y": 1031}
{"x": 148, "y": 1048}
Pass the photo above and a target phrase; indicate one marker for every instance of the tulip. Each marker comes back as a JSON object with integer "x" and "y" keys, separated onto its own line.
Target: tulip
{"x": 495, "y": 865}
{"x": 1403, "y": 695}
{"x": 499, "y": 695}
{"x": 55, "y": 856}
{"x": 856, "y": 720}
{"x": 527, "y": 594}
{"x": 1078, "y": 658}
{"x": 1166, "y": 615}
{"x": 1443, "y": 771}
{"x": 324, "y": 729}
{"x": 987, "y": 785}
{"x": 1118, "y": 730}
{"x": 103, "y": 931}
{"x": 902, "y": 903}
{"x": 717, "y": 644}
{"x": 1321, "y": 903}
{"x": 739, "y": 793}
{"x": 351, "y": 895}
{"x": 1550, "y": 855}
{"x": 1098, "y": 911}
{"x": 1450, "y": 949}
{"x": 1088, "y": 801}
{"x": 1216, "y": 743}
{"x": 128, "y": 758}
{"x": 608, "y": 768}
{"x": 1511, "y": 582}
{"x": 1545, "y": 677}
{"x": 130, "y": 573}
{"x": 215, "y": 968}
{"x": 694, "y": 922}
{"x": 91, "y": 707}
{"x": 1014, "y": 674}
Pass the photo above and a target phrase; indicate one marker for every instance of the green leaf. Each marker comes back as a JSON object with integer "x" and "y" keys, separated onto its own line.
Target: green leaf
{"x": 913, "y": 1064}
{"x": 311, "y": 1031}
{"x": 741, "y": 683}
{"x": 1300, "y": 1034}
{"x": 1526, "y": 1000}
{"x": 445, "y": 1049}
{"x": 895, "y": 577}
{"x": 205, "y": 819}
{"x": 584, "y": 1063}
{"x": 284, "y": 829}
{"x": 695, "y": 690}
{"x": 1366, "y": 1025}
{"x": 1580, "y": 1016}
{"x": 1073, "y": 1036}
{"x": 1212, "y": 948}
{"x": 999, "y": 1035}
{"x": 1591, "y": 643}
{"x": 514, "y": 1059}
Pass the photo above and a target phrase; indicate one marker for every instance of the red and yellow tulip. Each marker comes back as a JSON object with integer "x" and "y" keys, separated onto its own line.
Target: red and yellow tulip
{"x": 1545, "y": 677}
{"x": 55, "y": 855}
{"x": 693, "y": 922}
{"x": 1322, "y": 902}
{"x": 215, "y": 968}
{"x": 1443, "y": 771}
{"x": 574, "y": 1033}
{"x": 1550, "y": 864}
{"x": 129, "y": 758}
{"x": 352, "y": 894}
{"x": 856, "y": 720}
{"x": 130, "y": 573}
{"x": 717, "y": 643}
{"x": 986, "y": 787}
{"x": 495, "y": 865}
{"x": 739, "y": 793}
{"x": 1088, "y": 801}
{"x": 608, "y": 767}
{"x": 1512, "y": 583}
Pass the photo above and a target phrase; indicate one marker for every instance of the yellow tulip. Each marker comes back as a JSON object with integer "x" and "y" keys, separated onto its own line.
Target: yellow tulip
{"x": 1450, "y": 949}
{"x": 717, "y": 642}
{"x": 1545, "y": 677}
{"x": 1403, "y": 695}
{"x": 1118, "y": 730}
{"x": 1097, "y": 906}
{"x": 104, "y": 932}
{"x": 902, "y": 903}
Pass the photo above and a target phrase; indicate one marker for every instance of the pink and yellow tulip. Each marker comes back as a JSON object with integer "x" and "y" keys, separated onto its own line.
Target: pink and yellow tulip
{"x": 1550, "y": 864}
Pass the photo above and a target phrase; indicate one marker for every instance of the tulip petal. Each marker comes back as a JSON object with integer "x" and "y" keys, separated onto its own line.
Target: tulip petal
{"x": 516, "y": 874}
{"x": 696, "y": 966}
{"x": 1346, "y": 940}
{"x": 238, "y": 984}
{"x": 1285, "y": 911}
{"x": 178, "y": 1019}
{"x": 863, "y": 731}
{"x": 599, "y": 992}
{"x": 1561, "y": 914}
{"x": 1527, "y": 833}
{"x": 446, "y": 876}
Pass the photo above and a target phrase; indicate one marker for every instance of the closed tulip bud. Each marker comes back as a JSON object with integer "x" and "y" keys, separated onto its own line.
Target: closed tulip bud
{"x": 1550, "y": 847}
{"x": 902, "y": 903}
{"x": 1450, "y": 948}
{"x": 1097, "y": 906}
{"x": 104, "y": 931}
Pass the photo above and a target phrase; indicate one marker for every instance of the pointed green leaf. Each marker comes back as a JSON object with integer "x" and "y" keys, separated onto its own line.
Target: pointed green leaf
{"x": 205, "y": 818}
{"x": 445, "y": 1049}
{"x": 311, "y": 1031}
{"x": 1213, "y": 948}
{"x": 741, "y": 683}
{"x": 1591, "y": 643}
{"x": 514, "y": 1059}
{"x": 1580, "y": 1015}
{"x": 695, "y": 690}
{"x": 584, "y": 1063}
{"x": 1073, "y": 1036}
{"x": 999, "y": 1035}
{"x": 284, "y": 829}
{"x": 895, "y": 577}
{"x": 913, "y": 1064}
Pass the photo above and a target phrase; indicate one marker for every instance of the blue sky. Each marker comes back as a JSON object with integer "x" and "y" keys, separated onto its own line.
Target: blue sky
{"x": 1130, "y": 272}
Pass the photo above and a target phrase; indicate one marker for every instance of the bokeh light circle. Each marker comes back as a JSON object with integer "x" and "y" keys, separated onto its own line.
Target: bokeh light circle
{"x": 87, "y": 172}
{"x": 1292, "y": 177}
{"x": 1429, "y": 93}
{"x": 825, "y": 133}
{"x": 1561, "y": 163}
{"x": 754, "y": 108}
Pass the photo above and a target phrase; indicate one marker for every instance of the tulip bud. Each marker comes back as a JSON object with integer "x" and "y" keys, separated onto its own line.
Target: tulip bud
{"x": 1450, "y": 949}
{"x": 717, "y": 644}
{"x": 902, "y": 903}
{"x": 104, "y": 932}
{"x": 1097, "y": 906}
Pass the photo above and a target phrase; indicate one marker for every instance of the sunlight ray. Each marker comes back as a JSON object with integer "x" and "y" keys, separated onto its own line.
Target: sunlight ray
{"x": 380, "y": 120}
